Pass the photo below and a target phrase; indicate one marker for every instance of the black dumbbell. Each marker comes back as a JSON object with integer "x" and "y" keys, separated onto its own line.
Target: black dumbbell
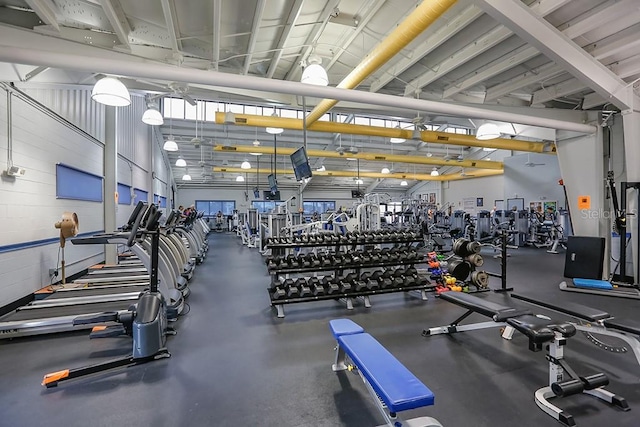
{"x": 305, "y": 289}
{"x": 372, "y": 284}
{"x": 325, "y": 260}
{"x": 277, "y": 293}
{"x": 330, "y": 286}
{"x": 317, "y": 289}
{"x": 312, "y": 259}
{"x": 292, "y": 261}
{"x": 346, "y": 283}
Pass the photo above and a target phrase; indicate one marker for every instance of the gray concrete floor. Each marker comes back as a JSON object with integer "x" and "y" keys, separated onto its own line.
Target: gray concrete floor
{"x": 235, "y": 364}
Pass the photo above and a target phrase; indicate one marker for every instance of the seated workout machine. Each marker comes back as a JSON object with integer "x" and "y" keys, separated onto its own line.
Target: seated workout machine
{"x": 541, "y": 332}
{"x": 146, "y": 322}
{"x": 391, "y": 385}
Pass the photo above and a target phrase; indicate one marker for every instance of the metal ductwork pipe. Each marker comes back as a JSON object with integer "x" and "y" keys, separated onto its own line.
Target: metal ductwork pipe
{"x": 426, "y": 136}
{"x": 374, "y": 157}
{"x": 418, "y": 21}
{"x": 354, "y": 174}
{"x": 124, "y": 65}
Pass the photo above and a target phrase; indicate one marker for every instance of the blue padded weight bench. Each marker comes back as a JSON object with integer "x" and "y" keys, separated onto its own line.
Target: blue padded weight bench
{"x": 542, "y": 332}
{"x": 391, "y": 385}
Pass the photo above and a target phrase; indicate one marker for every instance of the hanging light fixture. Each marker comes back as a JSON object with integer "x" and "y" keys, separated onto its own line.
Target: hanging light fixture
{"x": 181, "y": 163}
{"x": 435, "y": 172}
{"x": 239, "y": 178}
{"x": 229, "y": 118}
{"x": 397, "y": 140}
{"x": 273, "y": 130}
{"x": 385, "y": 170}
{"x": 403, "y": 183}
{"x": 152, "y": 115}
{"x": 487, "y": 131}
{"x": 359, "y": 181}
{"x": 245, "y": 165}
{"x": 170, "y": 144}
{"x": 314, "y": 73}
{"x": 111, "y": 91}
{"x": 186, "y": 177}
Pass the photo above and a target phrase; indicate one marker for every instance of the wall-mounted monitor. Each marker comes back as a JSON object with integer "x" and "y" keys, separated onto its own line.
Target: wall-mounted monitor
{"x": 273, "y": 185}
{"x": 256, "y": 193}
{"x": 357, "y": 194}
{"x": 300, "y": 163}
{"x": 269, "y": 195}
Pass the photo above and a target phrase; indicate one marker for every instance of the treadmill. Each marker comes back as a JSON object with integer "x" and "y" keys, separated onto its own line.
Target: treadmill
{"x": 44, "y": 318}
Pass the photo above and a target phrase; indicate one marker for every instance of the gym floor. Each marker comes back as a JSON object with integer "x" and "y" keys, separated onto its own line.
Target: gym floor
{"x": 235, "y": 364}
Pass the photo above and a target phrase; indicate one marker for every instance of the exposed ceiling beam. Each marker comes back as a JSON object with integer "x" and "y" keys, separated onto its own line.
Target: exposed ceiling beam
{"x": 542, "y": 8}
{"x": 217, "y": 24}
{"x": 560, "y": 90}
{"x": 353, "y": 34}
{"x": 31, "y": 74}
{"x": 255, "y": 28}
{"x": 556, "y": 46}
{"x": 284, "y": 36}
{"x": 46, "y": 10}
{"x": 117, "y": 19}
{"x": 373, "y": 185}
{"x": 170, "y": 18}
{"x": 457, "y": 23}
{"x": 543, "y": 72}
{"x": 461, "y": 56}
{"x": 313, "y": 37}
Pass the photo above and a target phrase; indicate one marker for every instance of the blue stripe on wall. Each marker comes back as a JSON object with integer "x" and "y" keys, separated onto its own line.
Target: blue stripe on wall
{"x": 43, "y": 242}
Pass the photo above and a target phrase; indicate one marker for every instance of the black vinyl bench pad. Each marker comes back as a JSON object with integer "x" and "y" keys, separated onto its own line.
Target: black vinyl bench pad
{"x": 498, "y": 312}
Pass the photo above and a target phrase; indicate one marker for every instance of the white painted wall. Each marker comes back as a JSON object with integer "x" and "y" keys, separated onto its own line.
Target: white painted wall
{"x": 533, "y": 183}
{"x": 28, "y": 204}
{"x": 490, "y": 188}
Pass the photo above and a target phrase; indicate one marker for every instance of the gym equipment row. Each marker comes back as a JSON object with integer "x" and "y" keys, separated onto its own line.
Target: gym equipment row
{"x": 341, "y": 260}
{"x": 391, "y": 385}
{"x": 107, "y": 291}
{"x": 350, "y": 237}
{"x": 347, "y": 287}
{"x": 542, "y": 333}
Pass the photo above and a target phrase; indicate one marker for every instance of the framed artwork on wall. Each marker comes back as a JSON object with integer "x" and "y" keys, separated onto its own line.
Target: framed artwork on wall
{"x": 479, "y": 202}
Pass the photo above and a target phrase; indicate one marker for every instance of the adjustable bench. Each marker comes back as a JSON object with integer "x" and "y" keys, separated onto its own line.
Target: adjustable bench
{"x": 541, "y": 332}
{"x": 594, "y": 321}
{"x": 391, "y": 385}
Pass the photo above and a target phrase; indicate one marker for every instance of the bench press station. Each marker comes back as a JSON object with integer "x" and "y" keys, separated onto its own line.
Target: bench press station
{"x": 391, "y": 385}
{"x": 563, "y": 380}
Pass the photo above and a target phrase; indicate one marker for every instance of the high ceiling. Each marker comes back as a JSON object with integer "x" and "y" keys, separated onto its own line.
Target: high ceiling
{"x": 527, "y": 57}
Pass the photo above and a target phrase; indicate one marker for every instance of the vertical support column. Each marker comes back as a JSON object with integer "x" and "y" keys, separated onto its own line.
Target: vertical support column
{"x": 151, "y": 182}
{"x": 110, "y": 180}
{"x": 631, "y": 125}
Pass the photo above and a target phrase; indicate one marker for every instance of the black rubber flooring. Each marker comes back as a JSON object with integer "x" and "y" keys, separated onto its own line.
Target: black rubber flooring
{"x": 235, "y": 364}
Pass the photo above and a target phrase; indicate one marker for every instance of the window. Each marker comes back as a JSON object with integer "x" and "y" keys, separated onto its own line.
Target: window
{"x": 173, "y": 107}
{"x": 212, "y": 207}
{"x": 263, "y": 206}
{"x": 310, "y": 207}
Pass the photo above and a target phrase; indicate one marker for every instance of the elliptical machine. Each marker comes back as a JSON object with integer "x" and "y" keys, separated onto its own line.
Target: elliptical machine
{"x": 146, "y": 322}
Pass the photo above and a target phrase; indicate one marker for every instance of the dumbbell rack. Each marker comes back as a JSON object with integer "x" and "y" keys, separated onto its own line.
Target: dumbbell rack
{"x": 279, "y": 294}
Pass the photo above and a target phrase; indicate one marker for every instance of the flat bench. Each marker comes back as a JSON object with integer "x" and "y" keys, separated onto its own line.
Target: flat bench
{"x": 391, "y": 385}
{"x": 542, "y": 332}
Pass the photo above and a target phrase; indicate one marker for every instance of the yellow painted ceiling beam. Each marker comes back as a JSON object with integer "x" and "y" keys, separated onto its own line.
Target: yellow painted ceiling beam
{"x": 425, "y": 136}
{"x": 375, "y": 157}
{"x": 354, "y": 174}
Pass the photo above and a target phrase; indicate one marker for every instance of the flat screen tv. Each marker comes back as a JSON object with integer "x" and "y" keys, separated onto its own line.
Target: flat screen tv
{"x": 256, "y": 193}
{"x": 273, "y": 185}
{"x": 300, "y": 163}
{"x": 269, "y": 195}
{"x": 357, "y": 194}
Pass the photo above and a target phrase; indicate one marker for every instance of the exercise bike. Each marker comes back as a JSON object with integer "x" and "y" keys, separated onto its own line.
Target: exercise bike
{"x": 146, "y": 322}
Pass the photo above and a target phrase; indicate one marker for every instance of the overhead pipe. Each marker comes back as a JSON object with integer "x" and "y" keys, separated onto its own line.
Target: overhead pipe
{"x": 413, "y": 25}
{"x": 426, "y": 136}
{"x": 126, "y": 65}
{"x": 354, "y": 174}
{"x": 374, "y": 157}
